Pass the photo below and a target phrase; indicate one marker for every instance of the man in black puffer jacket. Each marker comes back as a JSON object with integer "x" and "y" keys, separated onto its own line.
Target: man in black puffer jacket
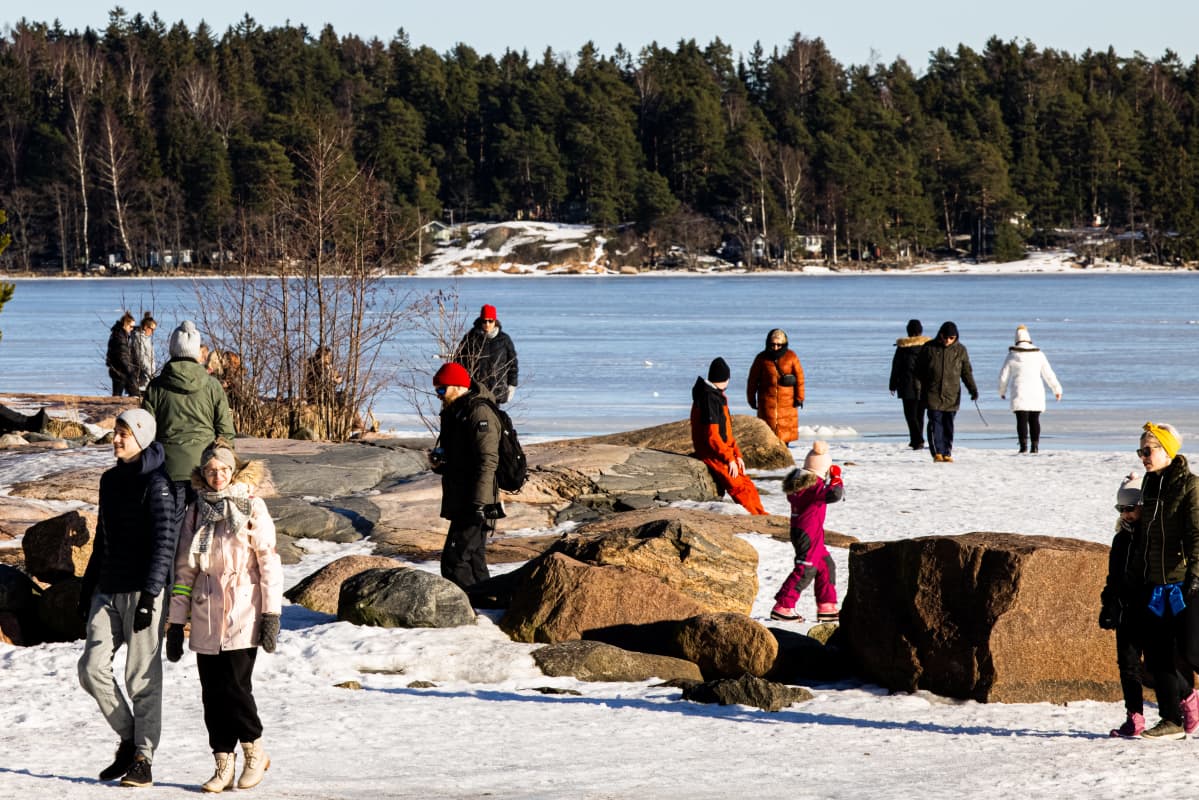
{"x": 489, "y": 356}
{"x": 122, "y": 594}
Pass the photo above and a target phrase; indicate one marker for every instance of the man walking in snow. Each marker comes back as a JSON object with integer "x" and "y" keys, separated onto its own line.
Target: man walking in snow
{"x": 942, "y": 365}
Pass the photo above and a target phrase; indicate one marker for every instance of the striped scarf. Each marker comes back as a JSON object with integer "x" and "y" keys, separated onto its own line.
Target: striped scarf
{"x": 231, "y": 504}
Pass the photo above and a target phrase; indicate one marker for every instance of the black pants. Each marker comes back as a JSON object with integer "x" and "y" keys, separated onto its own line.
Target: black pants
{"x": 940, "y": 432}
{"x": 1130, "y": 643}
{"x": 1171, "y": 639}
{"x": 227, "y": 690}
{"x": 464, "y": 557}
{"x": 1028, "y": 425}
{"x": 913, "y": 413}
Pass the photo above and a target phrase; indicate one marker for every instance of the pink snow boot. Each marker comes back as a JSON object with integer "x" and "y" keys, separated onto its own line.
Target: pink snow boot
{"x": 1132, "y": 727}
{"x": 1190, "y": 713}
{"x": 827, "y": 612}
{"x": 781, "y": 612}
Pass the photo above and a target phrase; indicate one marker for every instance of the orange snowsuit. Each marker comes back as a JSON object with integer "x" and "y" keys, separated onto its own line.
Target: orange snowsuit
{"x": 712, "y": 438}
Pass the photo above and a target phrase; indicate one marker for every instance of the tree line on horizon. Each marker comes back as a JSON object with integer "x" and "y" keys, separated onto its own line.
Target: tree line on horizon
{"x": 277, "y": 146}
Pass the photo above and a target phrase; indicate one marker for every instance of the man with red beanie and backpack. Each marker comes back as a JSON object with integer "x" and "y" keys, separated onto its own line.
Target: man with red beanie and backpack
{"x": 466, "y": 456}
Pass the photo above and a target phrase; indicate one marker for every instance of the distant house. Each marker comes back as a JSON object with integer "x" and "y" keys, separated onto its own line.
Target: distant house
{"x": 439, "y": 232}
{"x": 170, "y": 258}
{"x": 809, "y": 245}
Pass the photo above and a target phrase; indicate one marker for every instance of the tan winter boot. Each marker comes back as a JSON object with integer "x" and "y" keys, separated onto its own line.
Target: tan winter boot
{"x": 222, "y": 779}
{"x": 257, "y": 763}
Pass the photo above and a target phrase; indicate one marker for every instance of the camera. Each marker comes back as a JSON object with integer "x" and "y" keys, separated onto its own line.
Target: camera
{"x": 437, "y": 457}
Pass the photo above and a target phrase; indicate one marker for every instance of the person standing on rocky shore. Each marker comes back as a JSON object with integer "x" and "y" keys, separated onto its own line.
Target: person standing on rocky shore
{"x": 713, "y": 440}
{"x": 190, "y": 408}
{"x": 119, "y": 358}
{"x": 122, "y": 594}
{"x": 466, "y": 456}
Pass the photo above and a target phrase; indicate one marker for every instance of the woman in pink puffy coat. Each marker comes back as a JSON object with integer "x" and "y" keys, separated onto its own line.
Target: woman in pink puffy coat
{"x": 229, "y": 583}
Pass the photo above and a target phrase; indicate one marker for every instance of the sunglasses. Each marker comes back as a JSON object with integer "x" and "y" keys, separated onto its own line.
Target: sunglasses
{"x": 1125, "y": 509}
{"x": 1146, "y": 452}
{"x": 777, "y": 345}
{"x": 440, "y": 391}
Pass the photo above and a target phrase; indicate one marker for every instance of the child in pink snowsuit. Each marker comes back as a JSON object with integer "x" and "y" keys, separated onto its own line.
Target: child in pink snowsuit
{"x": 810, "y": 490}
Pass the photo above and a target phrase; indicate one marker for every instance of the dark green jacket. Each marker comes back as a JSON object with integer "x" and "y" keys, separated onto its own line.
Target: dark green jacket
{"x": 1170, "y": 519}
{"x": 470, "y": 437}
{"x": 190, "y": 409}
{"x": 940, "y": 371}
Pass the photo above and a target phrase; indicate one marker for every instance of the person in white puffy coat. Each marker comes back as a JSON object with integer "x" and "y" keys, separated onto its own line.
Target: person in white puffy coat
{"x": 1024, "y": 371}
{"x": 229, "y": 585}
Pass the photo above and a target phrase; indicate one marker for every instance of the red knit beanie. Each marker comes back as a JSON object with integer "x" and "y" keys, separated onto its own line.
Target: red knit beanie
{"x": 488, "y": 312}
{"x": 452, "y": 374}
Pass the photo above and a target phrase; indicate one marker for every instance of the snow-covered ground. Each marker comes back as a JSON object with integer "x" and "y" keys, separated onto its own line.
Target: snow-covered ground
{"x": 484, "y": 730}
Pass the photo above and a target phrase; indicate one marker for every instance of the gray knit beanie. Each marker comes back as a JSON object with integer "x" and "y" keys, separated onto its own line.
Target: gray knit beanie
{"x": 141, "y": 423}
{"x": 185, "y": 341}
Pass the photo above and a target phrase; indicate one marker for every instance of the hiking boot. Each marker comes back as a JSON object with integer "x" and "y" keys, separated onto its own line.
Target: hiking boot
{"x": 222, "y": 779}
{"x": 1190, "y": 712}
{"x": 947, "y": 459}
{"x": 138, "y": 774}
{"x": 827, "y": 612}
{"x": 121, "y": 762}
{"x": 785, "y": 614}
{"x": 1165, "y": 731}
{"x": 257, "y": 762}
{"x": 938, "y": 458}
{"x": 1133, "y": 727}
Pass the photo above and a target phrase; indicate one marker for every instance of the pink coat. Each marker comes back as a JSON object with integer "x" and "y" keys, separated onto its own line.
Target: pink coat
{"x": 244, "y": 580}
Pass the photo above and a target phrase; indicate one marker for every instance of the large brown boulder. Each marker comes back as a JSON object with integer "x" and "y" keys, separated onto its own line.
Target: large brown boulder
{"x": 726, "y": 645}
{"x": 562, "y": 599}
{"x": 715, "y": 568}
{"x": 993, "y": 617}
{"x": 403, "y": 597}
{"x": 774, "y": 525}
{"x": 597, "y": 661}
{"x": 319, "y": 591}
{"x": 761, "y": 448}
{"x": 59, "y": 547}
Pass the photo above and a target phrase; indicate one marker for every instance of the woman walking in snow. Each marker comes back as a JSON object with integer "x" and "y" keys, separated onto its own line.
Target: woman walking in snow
{"x": 229, "y": 581}
{"x": 775, "y": 388}
{"x": 1023, "y": 371}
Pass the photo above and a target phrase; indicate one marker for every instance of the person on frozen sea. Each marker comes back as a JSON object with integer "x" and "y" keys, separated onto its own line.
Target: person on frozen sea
{"x": 1021, "y": 375}
{"x": 941, "y": 367}
{"x": 1170, "y": 519}
{"x": 229, "y": 585}
{"x": 809, "y": 491}
{"x": 713, "y": 440}
{"x": 775, "y": 388}
{"x": 903, "y": 383}
{"x": 122, "y": 595}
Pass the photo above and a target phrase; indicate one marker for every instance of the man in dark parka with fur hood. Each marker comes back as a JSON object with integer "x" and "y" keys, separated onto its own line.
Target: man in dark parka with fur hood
{"x": 903, "y": 382}
{"x": 941, "y": 367}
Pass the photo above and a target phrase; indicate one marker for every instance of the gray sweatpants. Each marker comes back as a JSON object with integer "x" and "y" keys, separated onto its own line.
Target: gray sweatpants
{"x": 110, "y": 625}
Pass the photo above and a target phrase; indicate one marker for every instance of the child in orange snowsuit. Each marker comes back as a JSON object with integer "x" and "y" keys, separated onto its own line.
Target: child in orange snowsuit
{"x": 712, "y": 437}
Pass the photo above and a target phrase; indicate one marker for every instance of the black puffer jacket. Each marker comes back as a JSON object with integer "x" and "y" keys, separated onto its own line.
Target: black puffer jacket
{"x": 1170, "y": 519}
{"x": 470, "y": 440}
{"x": 119, "y": 357}
{"x": 135, "y": 529}
{"x": 903, "y": 367}
{"x": 490, "y": 361}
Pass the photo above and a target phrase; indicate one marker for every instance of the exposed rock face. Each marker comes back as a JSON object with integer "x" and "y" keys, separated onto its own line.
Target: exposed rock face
{"x": 57, "y": 618}
{"x": 717, "y": 569}
{"x": 992, "y": 617}
{"x": 596, "y": 661}
{"x": 761, "y": 448}
{"x": 320, "y": 590}
{"x": 403, "y": 598}
{"x": 726, "y": 645}
{"x": 59, "y": 547}
{"x": 562, "y": 599}
{"x": 747, "y": 690}
{"x": 80, "y": 485}
{"x": 774, "y": 525}
{"x": 301, "y": 520}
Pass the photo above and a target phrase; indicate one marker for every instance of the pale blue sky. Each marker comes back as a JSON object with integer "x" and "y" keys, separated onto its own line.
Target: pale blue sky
{"x": 856, "y": 31}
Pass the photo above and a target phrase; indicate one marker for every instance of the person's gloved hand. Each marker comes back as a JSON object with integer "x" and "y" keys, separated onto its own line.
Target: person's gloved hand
{"x": 753, "y": 404}
{"x": 145, "y": 612}
{"x": 1190, "y": 589}
{"x": 834, "y": 476}
{"x": 174, "y": 642}
{"x": 268, "y": 635}
{"x": 1109, "y": 616}
{"x": 799, "y": 403}
{"x": 974, "y": 397}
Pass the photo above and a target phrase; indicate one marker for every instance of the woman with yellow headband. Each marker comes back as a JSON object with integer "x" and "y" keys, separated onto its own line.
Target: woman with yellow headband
{"x": 1170, "y": 524}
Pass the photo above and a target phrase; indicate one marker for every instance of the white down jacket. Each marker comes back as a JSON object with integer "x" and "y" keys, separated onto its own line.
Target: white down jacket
{"x": 1020, "y": 379}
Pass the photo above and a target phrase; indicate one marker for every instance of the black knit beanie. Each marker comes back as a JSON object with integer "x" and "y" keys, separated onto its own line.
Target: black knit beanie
{"x": 718, "y": 371}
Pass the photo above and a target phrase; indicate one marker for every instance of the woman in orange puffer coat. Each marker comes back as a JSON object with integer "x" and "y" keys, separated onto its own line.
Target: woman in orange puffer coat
{"x": 775, "y": 387}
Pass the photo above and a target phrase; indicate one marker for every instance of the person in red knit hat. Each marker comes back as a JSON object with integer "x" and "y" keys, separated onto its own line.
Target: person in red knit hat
{"x": 466, "y": 456}
{"x": 490, "y": 356}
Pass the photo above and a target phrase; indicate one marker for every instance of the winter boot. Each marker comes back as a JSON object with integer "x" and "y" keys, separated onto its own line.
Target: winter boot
{"x": 1164, "y": 731}
{"x": 1036, "y": 446}
{"x": 139, "y": 774}
{"x": 1023, "y": 445}
{"x": 1133, "y": 727}
{"x": 827, "y": 612}
{"x": 257, "y": 763}
{"x": 785, "y": 614}
{"x": 226, "y": 769}
{"x": 121, "y": 762}
{"x": 1190, "y": 713}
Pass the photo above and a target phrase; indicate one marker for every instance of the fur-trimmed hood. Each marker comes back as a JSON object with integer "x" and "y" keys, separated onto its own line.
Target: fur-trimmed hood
{"x": 1024, "y": 347}
{"x": 252, "y": 473}
{"x": 911, "y": 341}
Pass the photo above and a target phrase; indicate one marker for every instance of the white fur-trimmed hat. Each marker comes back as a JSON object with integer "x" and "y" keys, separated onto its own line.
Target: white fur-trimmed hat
{"x": 818, "y": 460}
{"x": 1022, "y": 335}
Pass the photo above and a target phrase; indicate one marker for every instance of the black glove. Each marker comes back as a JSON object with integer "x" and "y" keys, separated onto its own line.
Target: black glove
{"x": 1109, "y": 615}
{"x": 145, "y": 611}
{"x": 174, "y": 643}
{"x": 1190, "y": 589}
{"x": 799, "y": 403}
{"x": 753, "y": 404}
{"x": 974, "y": 397}
{"x": 268, "y": 635}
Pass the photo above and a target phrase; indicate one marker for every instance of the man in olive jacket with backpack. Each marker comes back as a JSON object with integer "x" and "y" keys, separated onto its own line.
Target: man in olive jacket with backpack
{"x": 466, "y": 457}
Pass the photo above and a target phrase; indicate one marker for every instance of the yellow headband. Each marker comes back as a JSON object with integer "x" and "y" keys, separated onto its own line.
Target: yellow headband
{"x": 1169, "y": 441}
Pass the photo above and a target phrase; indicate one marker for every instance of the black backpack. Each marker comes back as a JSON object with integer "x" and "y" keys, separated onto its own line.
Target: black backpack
{"x": 513, "y": 469}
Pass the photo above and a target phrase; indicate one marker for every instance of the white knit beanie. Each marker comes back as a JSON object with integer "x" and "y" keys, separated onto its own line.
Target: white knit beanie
{"x": 141, "y": 424}
{"x": 185, "y": 341}
{"x": 1022, "y": 335}
{"x": 818, "y": 460}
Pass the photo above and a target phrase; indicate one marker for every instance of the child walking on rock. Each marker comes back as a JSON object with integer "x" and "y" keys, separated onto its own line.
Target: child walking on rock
{"x": 810, "y": 490}
{"x": 229, "y": 581}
